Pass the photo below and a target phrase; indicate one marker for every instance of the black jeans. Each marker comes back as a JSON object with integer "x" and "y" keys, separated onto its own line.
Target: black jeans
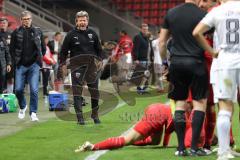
{"x": 45, "y": 75}
{"x": 2, "y": 81}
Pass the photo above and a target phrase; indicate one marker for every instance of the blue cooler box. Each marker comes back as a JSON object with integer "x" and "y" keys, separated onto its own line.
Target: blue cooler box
{"x": 58, "y": 101}
{"x": 3, "y": 106}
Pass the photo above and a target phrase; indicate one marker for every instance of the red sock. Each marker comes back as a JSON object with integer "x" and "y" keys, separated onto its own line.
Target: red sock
{"x": 231, "y": 137}
{"x": 209, "y": 128}
{"x": 144, "y": 142}
{"x": 110, "y": 143}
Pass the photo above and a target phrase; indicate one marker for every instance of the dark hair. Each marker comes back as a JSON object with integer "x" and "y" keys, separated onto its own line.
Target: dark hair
{"x": 123, "y": 32}
{"x": 57, "y": 33}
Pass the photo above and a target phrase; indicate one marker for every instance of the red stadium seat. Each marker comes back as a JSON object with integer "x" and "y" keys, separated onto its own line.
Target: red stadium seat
{"x": 152, "y": 11}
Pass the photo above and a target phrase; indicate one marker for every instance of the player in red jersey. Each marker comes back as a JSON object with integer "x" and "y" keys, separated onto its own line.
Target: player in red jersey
{"x": 148, "y": 131}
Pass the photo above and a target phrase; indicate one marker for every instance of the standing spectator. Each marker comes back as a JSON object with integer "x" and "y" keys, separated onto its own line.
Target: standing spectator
{"x": 142, "y": 52}
{"x": 48, "y": 61}
{"x": 225, "y": 19}
{"x": 5, "y": 62}
{"x": 158, "y": 67}
{"x": 85, "y": 60}
{"x": 4, "y": 32}
{"x": 6, "y": 35}
{"x": 27, "y": 48}
{"x": 124, "y": 55}
{"x": 187, "y": 70}
{"x": 55, "y": 47}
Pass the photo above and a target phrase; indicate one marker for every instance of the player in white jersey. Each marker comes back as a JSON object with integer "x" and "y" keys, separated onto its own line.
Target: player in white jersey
{"x": 226, "y": 21}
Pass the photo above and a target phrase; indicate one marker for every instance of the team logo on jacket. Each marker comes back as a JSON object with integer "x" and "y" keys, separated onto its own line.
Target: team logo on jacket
{"x": 90, "y": 35}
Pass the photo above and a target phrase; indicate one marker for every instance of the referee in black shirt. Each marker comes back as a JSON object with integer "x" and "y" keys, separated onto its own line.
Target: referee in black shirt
{"x": 187, "y": 70}
{"x": 85, "y": 62}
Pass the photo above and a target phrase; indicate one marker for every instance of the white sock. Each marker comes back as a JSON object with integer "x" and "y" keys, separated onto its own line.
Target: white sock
{"x": 223, "y": 131}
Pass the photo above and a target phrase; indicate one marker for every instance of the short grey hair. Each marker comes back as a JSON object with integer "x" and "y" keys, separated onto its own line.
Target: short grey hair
{"x": 82, "y": 14}
{"x": 26, "y": 13}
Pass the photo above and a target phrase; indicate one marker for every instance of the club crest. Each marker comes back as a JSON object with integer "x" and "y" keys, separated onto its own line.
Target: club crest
{"x": 78, "y": 75}
{"x": 90, "y": 35}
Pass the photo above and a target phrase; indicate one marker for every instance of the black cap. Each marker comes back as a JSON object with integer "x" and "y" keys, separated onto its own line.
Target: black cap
{"x": 3, "y": 19}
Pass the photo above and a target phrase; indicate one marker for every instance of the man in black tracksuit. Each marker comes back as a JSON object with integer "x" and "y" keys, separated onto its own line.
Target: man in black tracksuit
{"x": 187, "y": 70}
{"x": 85, "y": 62}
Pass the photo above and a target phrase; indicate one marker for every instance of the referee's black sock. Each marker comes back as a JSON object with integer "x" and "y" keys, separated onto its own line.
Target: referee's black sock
{"x": 180, "y": 126}
{"x": 197, "y": 123}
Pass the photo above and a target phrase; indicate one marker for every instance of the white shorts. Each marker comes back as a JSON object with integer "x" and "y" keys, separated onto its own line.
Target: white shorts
{"x": 214, "y": 87}
{"x": 213, "y": 72}
{"x": 227, "y": 84}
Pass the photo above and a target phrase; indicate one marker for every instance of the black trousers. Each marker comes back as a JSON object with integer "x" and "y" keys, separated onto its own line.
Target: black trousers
{"x": 78, "y": 80}
{"x": 45, "y": 75}
{"x": 2, "y": 81}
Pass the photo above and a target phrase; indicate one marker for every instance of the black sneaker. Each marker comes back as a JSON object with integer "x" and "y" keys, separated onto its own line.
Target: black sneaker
{"x": 207, "y": 147}
{"x": 80, "y": 119}
{"x": 182, "y": 153}
{"x": 198, "y": 152}
{"x": 81, "y": 123}
{"x": 94, "y": 115}
{"x": 96, "y": 121}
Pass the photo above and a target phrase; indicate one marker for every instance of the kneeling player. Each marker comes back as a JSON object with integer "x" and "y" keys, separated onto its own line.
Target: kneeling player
{"x": 147, "y": 131}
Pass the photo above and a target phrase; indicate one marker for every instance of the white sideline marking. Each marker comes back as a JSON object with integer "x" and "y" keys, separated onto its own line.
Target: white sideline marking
{"x": 98, "y": 154}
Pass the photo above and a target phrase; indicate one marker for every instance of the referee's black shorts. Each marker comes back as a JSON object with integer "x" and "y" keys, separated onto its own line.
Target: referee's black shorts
{"x": 188, "y": 74}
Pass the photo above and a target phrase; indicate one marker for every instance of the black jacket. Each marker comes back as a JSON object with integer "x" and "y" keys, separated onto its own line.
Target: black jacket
{"x": 16, "y": 45}
{"x": 51, "y": 46}
{"x": 77, "y": 43}
{"x": 5, "y": 58}
{"x": 141, "y": 45}
{"x": 140, "y": 48}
